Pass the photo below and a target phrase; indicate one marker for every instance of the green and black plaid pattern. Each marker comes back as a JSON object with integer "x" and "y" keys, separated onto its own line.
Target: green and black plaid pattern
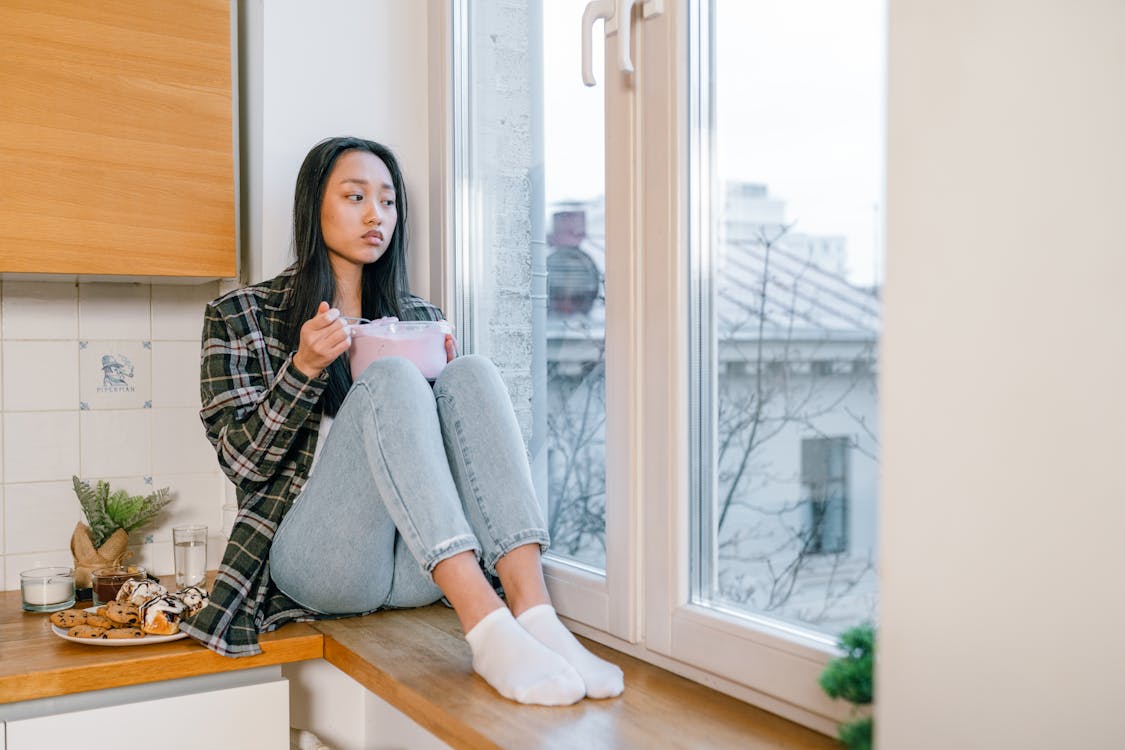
{"x": 262, "y": 416}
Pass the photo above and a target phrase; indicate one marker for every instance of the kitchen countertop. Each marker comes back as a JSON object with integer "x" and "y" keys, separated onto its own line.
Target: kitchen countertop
{"x": 35, "y": 663}
{"x": 418, "y": 661}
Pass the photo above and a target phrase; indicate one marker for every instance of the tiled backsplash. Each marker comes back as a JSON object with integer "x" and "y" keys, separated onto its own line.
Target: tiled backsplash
{"x": 101, "y": 380}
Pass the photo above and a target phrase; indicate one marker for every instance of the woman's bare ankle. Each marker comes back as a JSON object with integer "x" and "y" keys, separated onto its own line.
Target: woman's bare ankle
{"x": 521, "y": 574}
{"x": 464, "y": 585}
{"x": 522, "y": 604}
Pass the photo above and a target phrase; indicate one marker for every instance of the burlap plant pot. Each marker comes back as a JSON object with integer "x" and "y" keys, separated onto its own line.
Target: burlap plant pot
{"x": 87, "y": 559}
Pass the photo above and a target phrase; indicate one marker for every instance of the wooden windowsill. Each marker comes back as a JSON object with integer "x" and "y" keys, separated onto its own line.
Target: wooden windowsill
{"x": 418, "y": 661}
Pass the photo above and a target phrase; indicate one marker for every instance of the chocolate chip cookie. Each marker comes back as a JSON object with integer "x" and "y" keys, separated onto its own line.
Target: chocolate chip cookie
{"x": 99, "y": 621}
{"x": 86, "y": 631}
{"x": 68, "y": 618}
{"x": 122, "y": 614}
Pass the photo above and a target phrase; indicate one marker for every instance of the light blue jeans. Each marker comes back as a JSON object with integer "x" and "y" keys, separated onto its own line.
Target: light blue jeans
{"x": 409, "y": 476}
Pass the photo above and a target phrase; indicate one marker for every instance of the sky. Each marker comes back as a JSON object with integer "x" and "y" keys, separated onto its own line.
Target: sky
{"x": 800, "y": 106}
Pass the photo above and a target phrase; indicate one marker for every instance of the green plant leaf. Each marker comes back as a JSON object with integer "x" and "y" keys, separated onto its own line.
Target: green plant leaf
{"x": 858, "y": 734}
{"x": 851, "y": 676}
{"x": 121, "y": 507}
{"x": 105, "y": 512}
{"x": 93, "y": 507}
{"x": 146, "y": 508}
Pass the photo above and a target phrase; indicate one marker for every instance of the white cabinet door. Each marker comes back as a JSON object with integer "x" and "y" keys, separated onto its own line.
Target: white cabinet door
{"x": 247, "y": 717}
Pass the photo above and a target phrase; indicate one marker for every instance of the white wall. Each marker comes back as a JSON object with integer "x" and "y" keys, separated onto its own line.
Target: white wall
{"x": 1003, "y": 497}
{"x": 59, "y": 419}
{"x": 314, "y": 70}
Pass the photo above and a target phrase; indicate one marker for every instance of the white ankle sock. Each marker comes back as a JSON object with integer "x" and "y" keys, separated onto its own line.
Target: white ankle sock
{"x": 603, "y": 680}
{"x": 520, "y": 667}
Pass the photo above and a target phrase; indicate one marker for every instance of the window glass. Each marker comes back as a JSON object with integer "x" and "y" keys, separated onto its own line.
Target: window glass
{"x": 574, "y": 185}
{"x": 531, "y": 256}
{"x": 787, "y": 310}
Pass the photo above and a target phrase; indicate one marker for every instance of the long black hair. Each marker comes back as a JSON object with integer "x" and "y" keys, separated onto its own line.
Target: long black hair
{"x": 384, "y": 281}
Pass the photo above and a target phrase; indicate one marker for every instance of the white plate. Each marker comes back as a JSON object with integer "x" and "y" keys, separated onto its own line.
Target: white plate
{"x": 148, "y": 640}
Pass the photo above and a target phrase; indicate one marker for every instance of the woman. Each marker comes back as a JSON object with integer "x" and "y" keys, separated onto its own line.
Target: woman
{"x": 414, "y": 487}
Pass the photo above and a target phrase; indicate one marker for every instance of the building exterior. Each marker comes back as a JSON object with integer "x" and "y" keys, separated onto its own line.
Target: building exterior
{"x": 795, "y": 449}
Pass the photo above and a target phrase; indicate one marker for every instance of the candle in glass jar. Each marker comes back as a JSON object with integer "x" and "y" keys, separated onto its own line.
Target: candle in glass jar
{"x": 46, "y": 589}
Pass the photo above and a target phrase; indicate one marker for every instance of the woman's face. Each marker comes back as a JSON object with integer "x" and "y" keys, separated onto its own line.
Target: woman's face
{"x": 359, "y": 212}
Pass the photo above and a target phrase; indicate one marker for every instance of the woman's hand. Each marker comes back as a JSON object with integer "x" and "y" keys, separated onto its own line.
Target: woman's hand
{"x": 450, "y": 348}
{"x": 324, "y": 337}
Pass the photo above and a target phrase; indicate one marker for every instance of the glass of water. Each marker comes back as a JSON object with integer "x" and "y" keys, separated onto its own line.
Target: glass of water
{"x": 190, "y": 546}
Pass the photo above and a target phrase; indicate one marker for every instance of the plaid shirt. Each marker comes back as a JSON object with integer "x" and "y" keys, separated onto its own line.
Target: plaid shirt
{"x": 262, "y": 415}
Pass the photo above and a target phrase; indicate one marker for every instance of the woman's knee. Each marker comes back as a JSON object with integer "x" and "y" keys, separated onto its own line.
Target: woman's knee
{"x": 469, "y": 370}
{"x": 393, "y": 374}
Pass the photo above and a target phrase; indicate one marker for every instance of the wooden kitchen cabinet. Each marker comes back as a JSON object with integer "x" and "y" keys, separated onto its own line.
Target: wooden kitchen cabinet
{"x": 116, "y": 138}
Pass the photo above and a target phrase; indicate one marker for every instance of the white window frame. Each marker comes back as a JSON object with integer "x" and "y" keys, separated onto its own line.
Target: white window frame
{"x": 777, "y": 665}
{"x": 623, "y": 330}
{"x": 642, "y": 605}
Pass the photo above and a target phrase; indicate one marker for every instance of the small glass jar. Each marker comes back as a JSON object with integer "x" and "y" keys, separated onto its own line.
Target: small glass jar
{"x": 107, "y": 581}
{"x": 47, "y": 589}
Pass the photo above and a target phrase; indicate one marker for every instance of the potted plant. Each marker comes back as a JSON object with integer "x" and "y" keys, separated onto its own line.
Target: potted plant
{"x": 852, "y": 677}
{"x": 104, "y": 539}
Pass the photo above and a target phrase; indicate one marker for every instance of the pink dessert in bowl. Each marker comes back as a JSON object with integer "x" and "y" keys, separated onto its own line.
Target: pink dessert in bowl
{"x": 420, "y": 341}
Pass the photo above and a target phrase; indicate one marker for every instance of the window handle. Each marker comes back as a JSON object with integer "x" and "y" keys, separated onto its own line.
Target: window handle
{"x": 616, "y": 19}
{"x": 624, "y": 42}
{"x": 595, "y": 9}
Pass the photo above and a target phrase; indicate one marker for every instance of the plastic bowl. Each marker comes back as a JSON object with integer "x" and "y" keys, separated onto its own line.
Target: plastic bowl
{"x": 420, "y": 341}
